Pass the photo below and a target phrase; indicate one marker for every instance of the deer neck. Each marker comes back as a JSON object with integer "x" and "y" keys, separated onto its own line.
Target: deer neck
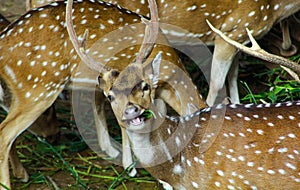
{"x": 163, "y": 140}
{"x": 148, "y": 144}
{"x": 162, "y": 152}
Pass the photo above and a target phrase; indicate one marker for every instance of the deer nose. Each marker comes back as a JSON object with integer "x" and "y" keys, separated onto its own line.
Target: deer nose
{"x": 131, "y": 112}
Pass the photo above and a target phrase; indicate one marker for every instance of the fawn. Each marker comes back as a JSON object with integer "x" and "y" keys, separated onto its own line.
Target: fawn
{"x": 39, "y": 62}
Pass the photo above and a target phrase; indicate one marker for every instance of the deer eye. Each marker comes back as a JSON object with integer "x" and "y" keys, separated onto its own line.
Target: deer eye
{"x": 145, "y": 87}
{"x": 110, "y": 98}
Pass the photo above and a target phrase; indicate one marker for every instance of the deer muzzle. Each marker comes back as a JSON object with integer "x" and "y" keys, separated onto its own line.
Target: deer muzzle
{"x": 134, "y": 115}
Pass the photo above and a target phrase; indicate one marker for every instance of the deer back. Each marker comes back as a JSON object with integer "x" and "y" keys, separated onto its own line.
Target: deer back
{"x": 231, "y": 17}
{"x": 257, "y": 147}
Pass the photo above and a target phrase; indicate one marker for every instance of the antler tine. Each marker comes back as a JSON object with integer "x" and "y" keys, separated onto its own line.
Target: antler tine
{"x": 256, "y": 50}
{"x": 151, "y": 33}
{"x": 80, "y": 46}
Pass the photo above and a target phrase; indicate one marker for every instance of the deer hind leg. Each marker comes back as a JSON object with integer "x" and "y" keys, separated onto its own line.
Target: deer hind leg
{"x": 222, "y": 59}
{"x": 46, "y": 126}
{"x": 17, "y": 167}
{"x": 232, "y": 80}
{"x": 22, "y": 114}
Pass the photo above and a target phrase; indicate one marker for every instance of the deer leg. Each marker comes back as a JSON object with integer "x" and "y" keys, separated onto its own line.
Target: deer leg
{"x": 127, "y": 154}
{"x": 222, "y": 59}
{"x": 294, "y": 22}
{"x": 104, "y": 138}
{"x": 286, "y": 38}
{"x": 101, "y": 127}
{"x": 286, "y": 48}
{"x": 46, "y": 126}
{"x": 22, "y": 114}
{"x": 17, "y": 168}
{"x": 105, "y": 142}
{"x": 232, "y": 80}
{"x": 4, "y": 169}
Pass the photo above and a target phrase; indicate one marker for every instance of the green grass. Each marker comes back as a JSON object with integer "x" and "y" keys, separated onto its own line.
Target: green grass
{"x": 47, "y": 164}
{"x": 280, "y": 87}
{"x": 70, "y": 164}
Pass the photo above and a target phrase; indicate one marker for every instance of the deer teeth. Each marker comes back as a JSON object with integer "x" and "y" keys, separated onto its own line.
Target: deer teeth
{"x": 137, "y": 121}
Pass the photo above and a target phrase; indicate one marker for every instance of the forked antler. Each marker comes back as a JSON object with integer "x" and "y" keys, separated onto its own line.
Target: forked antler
{"x": 151, "y": 33}
{"x": 256, "y": 51}
{"x": 80, "y": 46}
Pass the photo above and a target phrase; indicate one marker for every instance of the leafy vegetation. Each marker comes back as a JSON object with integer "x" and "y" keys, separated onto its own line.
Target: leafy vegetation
{"x": 280, "y": 87}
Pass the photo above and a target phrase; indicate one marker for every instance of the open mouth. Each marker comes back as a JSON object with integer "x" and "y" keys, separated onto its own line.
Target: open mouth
{"x": 147, "y": 114}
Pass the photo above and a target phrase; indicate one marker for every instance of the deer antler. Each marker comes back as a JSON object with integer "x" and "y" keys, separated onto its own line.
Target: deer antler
{"x": 256, "y": 51}
{"x": 151, "y": 33}
{"x": 80, "y": 46}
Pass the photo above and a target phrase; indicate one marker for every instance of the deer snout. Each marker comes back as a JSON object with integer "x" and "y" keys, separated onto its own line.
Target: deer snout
{"x": 131, "y": 112}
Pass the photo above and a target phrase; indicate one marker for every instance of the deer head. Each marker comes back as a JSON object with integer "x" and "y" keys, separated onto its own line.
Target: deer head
{"x": 132, "y": 90}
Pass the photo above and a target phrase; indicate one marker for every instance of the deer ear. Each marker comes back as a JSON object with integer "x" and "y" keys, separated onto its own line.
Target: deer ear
{"x": 155, "y": 68}
{"x": 101, "y": 82}
{"x": 106, "y": 79}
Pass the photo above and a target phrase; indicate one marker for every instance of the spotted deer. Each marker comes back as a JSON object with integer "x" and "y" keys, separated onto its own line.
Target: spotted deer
{"x": 227, "y": 146}
{"x": 39, "y": 61}
{"x": 255, "y": 147}
{"x": 46, "y": 126}
{"x": 231, "y": 17}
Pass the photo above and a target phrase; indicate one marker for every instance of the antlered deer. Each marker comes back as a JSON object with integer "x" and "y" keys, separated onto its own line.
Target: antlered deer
{"x": 39, "y": 62}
